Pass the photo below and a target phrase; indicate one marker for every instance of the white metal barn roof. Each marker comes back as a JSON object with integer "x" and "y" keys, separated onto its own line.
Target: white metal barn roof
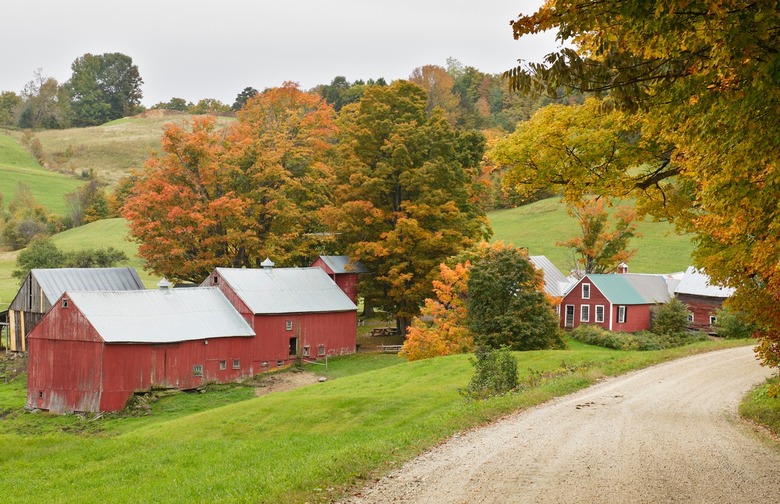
{"x": 287, "y": 290}
{"x": 55, "y": 281}
{"x": 555, "y": 283}
{"x": 697, "y": 283}
{"x": 160, "y": 316}
{"x": 342, "y": 264}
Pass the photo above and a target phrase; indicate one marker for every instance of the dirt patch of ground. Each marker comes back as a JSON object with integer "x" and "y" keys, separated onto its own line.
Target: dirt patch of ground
{"x": 288, "y": 380}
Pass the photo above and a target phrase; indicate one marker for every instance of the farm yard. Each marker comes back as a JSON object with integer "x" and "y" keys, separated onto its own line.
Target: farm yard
{"x": 311, "y": 444}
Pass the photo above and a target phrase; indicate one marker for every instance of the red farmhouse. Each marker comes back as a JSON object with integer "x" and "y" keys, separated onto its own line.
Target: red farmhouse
{"x": 94, "y": 350}
{"x": 614, "y": 302}
{"x": 343, "y": 272}
{"x": 293, "y": 311}
{"x": 703, "y": 299}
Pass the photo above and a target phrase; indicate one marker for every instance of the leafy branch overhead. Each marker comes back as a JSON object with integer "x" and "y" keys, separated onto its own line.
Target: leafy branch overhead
{"x": 687, "y": 124}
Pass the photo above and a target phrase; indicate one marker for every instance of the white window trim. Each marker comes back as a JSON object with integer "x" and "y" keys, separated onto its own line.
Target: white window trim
{"x": 691, "y": 317}
{"x": 585, "y": 313}
{"x": 596, "y": 318}
{"x": 583, "y": 291}
{"x": 713, "y": 320}
{"x": 621, "y": 310}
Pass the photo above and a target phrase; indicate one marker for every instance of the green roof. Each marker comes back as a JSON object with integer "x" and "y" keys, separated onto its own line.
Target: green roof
{"x": 617, "y": 289}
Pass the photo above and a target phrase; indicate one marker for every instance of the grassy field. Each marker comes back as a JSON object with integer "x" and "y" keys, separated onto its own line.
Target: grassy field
{"x": 305, "y": 445}
{"x": 17, "y": 165}
{"x": 112, "y": 149}
{"x": 540, "y": 225}
{"x": 104, "y": 233}
{"x": 760, "y": 407}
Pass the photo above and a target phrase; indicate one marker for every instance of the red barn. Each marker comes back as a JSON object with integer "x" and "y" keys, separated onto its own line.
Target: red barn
{"x": 295, "y": 312}
{"x": 614, "y": 302}
{"x": 94, "y": 350}
{"x": 703, "y": 299}
{"x": 343, "y": 272}
{"x": 42, "y": 287}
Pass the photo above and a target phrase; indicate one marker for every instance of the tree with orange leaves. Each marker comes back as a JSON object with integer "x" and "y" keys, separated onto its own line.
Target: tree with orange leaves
{"x": 448, "y": 331}
{"x": 599, "y": 249}
{"x": 234, "y": 196}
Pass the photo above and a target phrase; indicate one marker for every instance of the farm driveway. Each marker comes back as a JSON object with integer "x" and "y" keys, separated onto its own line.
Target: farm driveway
{"x": 664, "y": 434}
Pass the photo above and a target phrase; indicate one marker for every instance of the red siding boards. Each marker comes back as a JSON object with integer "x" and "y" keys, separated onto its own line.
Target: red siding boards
{"x": 347, "y": 282}
{"x": 636, "y": 316}
{"x": 701, "y": 308}
{"x": 71, "y": 368}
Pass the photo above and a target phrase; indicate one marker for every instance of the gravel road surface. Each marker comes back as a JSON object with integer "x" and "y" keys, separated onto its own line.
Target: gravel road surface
{"x": 669, "y": 433}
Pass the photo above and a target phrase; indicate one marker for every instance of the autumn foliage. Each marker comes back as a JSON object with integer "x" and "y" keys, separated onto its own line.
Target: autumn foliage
{"x": 233, "y": 196}
{"x": 447, "y": 332}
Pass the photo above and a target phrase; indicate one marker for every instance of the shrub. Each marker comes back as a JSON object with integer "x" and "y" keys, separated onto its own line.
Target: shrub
{"x": 733, "y": 325}
{"x": 495, "y": 373}
{"x": 671, "y": 318}
{"x": 642, "y": 340}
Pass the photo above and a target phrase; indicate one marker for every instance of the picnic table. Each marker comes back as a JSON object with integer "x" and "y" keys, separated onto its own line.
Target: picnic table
{"x": 383, "y": 331}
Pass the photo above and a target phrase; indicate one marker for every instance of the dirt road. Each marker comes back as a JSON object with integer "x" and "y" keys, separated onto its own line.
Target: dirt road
{"x": 664, "y": 434}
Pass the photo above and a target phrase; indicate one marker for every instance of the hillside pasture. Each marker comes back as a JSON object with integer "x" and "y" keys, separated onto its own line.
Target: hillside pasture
{"x": 111, "y": 150}
{"x": 539, "y": 226}
{"x": 305, "y": 445}
{"x": 17, "y": 165}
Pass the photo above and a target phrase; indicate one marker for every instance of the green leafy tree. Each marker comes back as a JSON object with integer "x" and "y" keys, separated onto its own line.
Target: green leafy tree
{"x": 179, "y": 104}
{"x": 734, "y": 325}
{"x": 506, "y": 302}
{"x": 699, "y": 79}
{"x": 103, "y": 88}
{"x": 406, "y": 196}
{"x": 27, "y": 219}
{"x": 45, "y": 104}
{"x": 9, "y": 104}
{"x": 40, "y": 253}
{"x": 209, "y": 106}
{"x": 243, "y": 97}
{"x": 671, "y": 318}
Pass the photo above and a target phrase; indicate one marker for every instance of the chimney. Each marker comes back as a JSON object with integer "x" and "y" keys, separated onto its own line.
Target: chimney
{"x": 622, "y": 268}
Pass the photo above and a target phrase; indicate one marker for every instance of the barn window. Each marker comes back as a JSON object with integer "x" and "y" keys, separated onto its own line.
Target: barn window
{"x": 64, "y": 303}
{"x": 216, "y": 280}
{"x": 279, "y": 363}
{"x": 586, "y": 291}
{"x": 288, "y": 325}
{"x": 236, "y": 363}
{"x": 197, "y": 370}
{"x": 690, "y": 317}
{"x": 713, "y": 320}
{"x": 293, "y": 346}
{"x": 599, "y": 313}
{"x": 321, "y": 350}
{"x": 40, "y": 394}
{"x": 585, "y": 313}
{"x": 222, "y": 365}
{"x": 621, "y": 315}
{"x": 306, "y": 351}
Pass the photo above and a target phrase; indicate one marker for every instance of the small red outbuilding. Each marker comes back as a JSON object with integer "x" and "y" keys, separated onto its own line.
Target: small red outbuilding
{"x": 295, "y": 312}
{"x": 343, "y": 271}
{"x": 94, "y": 350}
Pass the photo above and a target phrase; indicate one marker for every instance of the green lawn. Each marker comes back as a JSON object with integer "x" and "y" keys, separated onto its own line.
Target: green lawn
{"x": 305, "y": 445}
{"x": 17, "y": 165}
{"x": 539, "y": 226}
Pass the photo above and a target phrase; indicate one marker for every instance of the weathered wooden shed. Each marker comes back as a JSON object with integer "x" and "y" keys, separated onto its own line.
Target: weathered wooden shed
{"x": 42, "y": 287}
{"x": 94, "y": 350}
{"x": 616, "y": 302}
{"x": 703, "y": 298}
{"x": 295, "y": 312}
{"x": 342, "y": 271}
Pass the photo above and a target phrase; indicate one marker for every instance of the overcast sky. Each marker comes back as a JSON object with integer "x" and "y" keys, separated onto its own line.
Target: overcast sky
{"x": 196, "y": 49}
